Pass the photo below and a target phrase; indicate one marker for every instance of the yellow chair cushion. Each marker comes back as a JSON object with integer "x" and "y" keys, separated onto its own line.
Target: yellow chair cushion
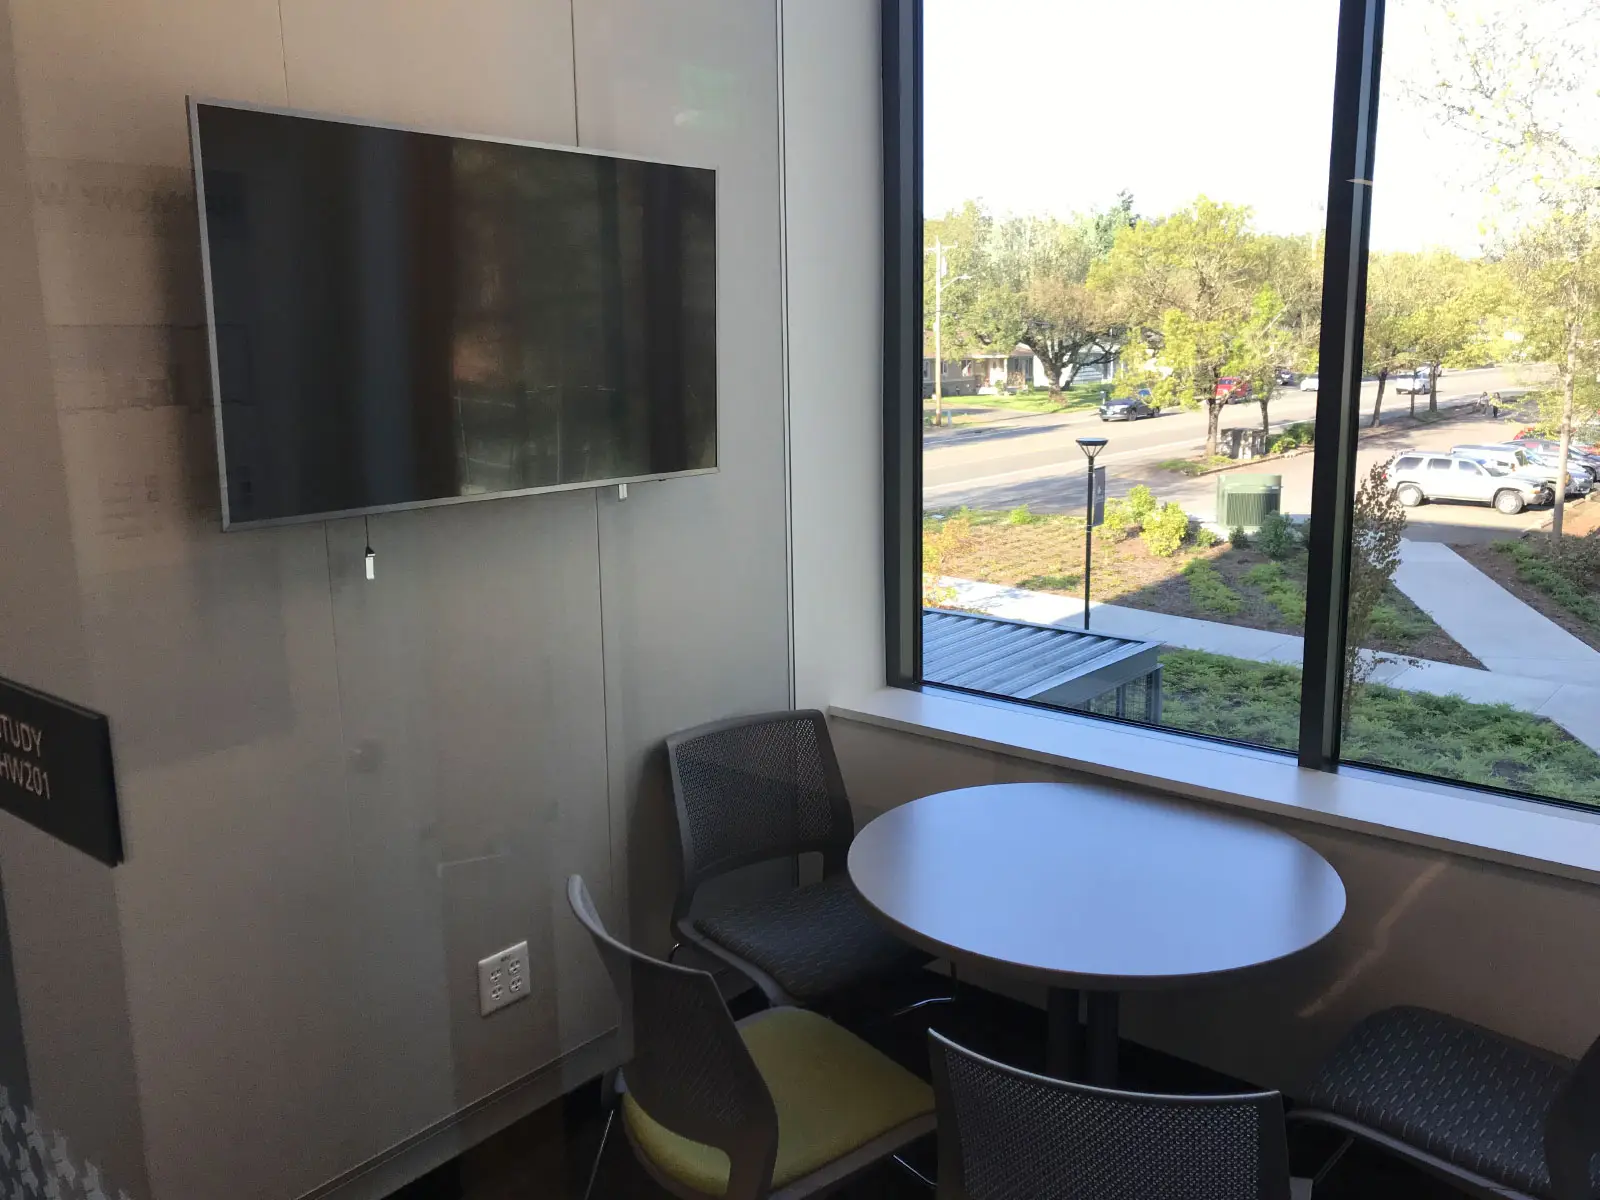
{"x": 833, "y": 1092}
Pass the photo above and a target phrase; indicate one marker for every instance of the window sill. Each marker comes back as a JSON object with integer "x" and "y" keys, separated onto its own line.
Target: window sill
{"x": 1524, "y": 834}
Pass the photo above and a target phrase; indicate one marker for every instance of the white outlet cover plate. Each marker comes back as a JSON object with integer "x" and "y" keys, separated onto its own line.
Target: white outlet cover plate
{"x": 503, "y": 978}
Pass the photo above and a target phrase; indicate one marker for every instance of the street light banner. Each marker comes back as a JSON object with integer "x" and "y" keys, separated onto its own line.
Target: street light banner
{"x": 1097, "y": 510}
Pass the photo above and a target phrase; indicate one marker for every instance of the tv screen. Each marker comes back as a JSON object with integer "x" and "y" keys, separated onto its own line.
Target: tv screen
{"x": 402, "y": 318}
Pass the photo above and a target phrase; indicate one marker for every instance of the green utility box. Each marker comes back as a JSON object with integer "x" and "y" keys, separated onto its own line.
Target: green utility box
{"x": 1243, "y": 501}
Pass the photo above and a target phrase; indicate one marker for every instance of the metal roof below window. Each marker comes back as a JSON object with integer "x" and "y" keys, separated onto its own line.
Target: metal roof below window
{"x": 1066, "y": 668}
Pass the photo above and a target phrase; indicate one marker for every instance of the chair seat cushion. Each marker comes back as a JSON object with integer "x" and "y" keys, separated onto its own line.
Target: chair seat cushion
{"x": 814, "y": 940}
{"x": 1454, "y": 1090}
{"x": 833, "y": 1094}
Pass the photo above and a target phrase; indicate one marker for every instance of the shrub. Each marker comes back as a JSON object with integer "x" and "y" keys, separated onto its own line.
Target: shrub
{"x": 951, "y": 536}
{"x": 1277, "y": 537}
{"x": 1142, "y": 505}
{"x": 1380, "y": 519}
{"x": 1115, "y": 525}
{"x": 1566, "y": 577}
{"x": 1021, "y": 516}
{"x": 1208, "y": 589}
{"x": 1301, "y": 433}
{"x": 1238, "y": 538}
{"x": 1204, "y": 538}
{"x": 1164, "y": 532}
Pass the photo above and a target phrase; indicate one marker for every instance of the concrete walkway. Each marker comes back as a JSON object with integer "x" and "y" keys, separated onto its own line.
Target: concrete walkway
{"x": 1504, "y": 634}
{"x": 1573, "y": 706}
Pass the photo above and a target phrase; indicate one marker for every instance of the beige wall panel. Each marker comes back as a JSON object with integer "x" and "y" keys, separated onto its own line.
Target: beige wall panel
{"x": 496, "y": 67}
{"x": 105, "y": 80}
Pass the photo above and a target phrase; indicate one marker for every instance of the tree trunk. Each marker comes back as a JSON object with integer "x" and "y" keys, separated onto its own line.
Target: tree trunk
{"x": 1433, "y": 387}
{"x": 1266, "y": 426}
{"x": 1568, "y": 390}
{"x": 1072, "y": 369}
{"x": 1213, "y": 416}
{"x": 1053, "y": 370}
{"x": 1377, "y": 407}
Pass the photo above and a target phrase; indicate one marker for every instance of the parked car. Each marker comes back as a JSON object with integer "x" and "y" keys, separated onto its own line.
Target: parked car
{"x": 1513, "y": 459}
{"x": 1286, "y": 377}
{"x": 1128, "y": 408}
{"x": 1232, "y": 390}
{"x": 1310, "y": 383}
{"x": 1418, "y": 383}
{"x": 1551, "y": 448}
{"x": 1418, "y": 476}
{"x": 1583, "y": 473}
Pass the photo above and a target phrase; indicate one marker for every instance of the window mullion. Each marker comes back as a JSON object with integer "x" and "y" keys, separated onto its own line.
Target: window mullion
{"x": 1344, "y": 282}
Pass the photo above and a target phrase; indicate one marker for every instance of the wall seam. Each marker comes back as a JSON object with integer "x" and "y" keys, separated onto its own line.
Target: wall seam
{"x": 283, "y": 54}
{"x": 787, "y": 390}
{"x": 572, "y": 28}
{"x": 605, "y": 704}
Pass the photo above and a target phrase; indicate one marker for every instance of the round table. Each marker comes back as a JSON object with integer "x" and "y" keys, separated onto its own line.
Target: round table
{"x": 1085, "y": 887}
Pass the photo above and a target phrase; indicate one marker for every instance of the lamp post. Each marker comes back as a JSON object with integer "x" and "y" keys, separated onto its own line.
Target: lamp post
{"x": 1090, "y": 446}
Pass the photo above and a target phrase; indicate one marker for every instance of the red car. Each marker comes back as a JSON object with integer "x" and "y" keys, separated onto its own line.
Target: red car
{"x": 1232, "y": 390}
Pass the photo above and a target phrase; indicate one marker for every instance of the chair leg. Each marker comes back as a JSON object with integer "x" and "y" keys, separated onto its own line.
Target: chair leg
{"x": 916, "y": 1004}
{"x": 600, "y": 1152}
{"x": 1333, "y": 1161}
{"x": 899, "y": 1161}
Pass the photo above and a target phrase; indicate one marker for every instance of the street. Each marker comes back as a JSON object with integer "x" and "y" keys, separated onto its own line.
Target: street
{"x": 1034, "y": 460}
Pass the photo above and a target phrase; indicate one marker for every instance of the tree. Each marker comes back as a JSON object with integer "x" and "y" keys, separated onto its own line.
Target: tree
{"x": 1259, "y": 347}
{"x": 962, "y": 233}
{"x": 1186, "y": 286}
{"x": 1450, "y": 305}
{"x": 1032, "y": 290}
{"x": 1555, "y": 268}
{"x": 1387, "y": 343}
{"x": 1518, "y": 79}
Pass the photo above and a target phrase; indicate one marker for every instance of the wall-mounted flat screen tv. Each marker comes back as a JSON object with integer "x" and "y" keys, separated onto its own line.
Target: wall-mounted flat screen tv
{"x": 401, "y": 318}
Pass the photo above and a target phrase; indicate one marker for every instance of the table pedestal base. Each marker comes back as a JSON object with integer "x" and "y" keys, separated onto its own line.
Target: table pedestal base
{"x": 1069, "y": 1054}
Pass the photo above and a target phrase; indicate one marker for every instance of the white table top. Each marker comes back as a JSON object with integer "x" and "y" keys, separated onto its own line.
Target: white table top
{"x": 1078, "y": 885}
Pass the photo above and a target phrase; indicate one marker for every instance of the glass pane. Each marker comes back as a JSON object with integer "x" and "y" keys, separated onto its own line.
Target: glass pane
{"x": 1475, "y": 608}
{"x": 1155, "y": 285}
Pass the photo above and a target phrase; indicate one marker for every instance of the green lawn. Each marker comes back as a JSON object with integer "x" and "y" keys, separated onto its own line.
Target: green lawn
{"x": 1196, "y": 466}
{"x": 1078, "y": 397}
{"x": 1492, "y": 744}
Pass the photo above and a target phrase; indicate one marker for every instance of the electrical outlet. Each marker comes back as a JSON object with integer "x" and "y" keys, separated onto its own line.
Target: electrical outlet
{"x": 503, "y": 978}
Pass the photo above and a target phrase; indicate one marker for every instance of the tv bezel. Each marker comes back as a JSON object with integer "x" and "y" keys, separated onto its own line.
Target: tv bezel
{"x": 198, "y": 165}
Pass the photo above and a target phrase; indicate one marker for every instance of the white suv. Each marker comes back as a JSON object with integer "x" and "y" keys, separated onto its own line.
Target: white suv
{"x": 1421, "y": 475}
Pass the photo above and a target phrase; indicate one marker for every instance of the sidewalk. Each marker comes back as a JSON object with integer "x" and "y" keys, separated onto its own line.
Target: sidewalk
{"x": 1574, "y": 706}
{"x": 1504, "y": 634}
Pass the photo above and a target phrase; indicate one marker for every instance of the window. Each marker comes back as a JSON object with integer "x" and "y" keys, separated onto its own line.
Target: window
{"x": 1174, "y": 486}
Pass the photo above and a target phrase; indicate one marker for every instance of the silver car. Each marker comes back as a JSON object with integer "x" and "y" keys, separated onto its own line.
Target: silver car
{"x": 1418, "y": 476}
{"x": 1513, "y": 458}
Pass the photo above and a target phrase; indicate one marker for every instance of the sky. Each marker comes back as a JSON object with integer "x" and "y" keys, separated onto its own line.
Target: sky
{"x": 1054, "y": 106}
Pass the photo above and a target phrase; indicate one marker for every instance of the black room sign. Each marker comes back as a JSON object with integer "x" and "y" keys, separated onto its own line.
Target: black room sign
{"x": 56, "y": 770}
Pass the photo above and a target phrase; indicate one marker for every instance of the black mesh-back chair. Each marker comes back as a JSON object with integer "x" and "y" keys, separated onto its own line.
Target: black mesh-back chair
{"x": 1006, "y": 1134}
{"x": 763, "y": 788}
{"x": 783, "y": 1104}
{"x": 1493, "y": 1116}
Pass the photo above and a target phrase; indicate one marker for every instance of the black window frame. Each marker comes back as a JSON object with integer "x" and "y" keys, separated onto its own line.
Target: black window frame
{"x": 1353, "y": 139}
